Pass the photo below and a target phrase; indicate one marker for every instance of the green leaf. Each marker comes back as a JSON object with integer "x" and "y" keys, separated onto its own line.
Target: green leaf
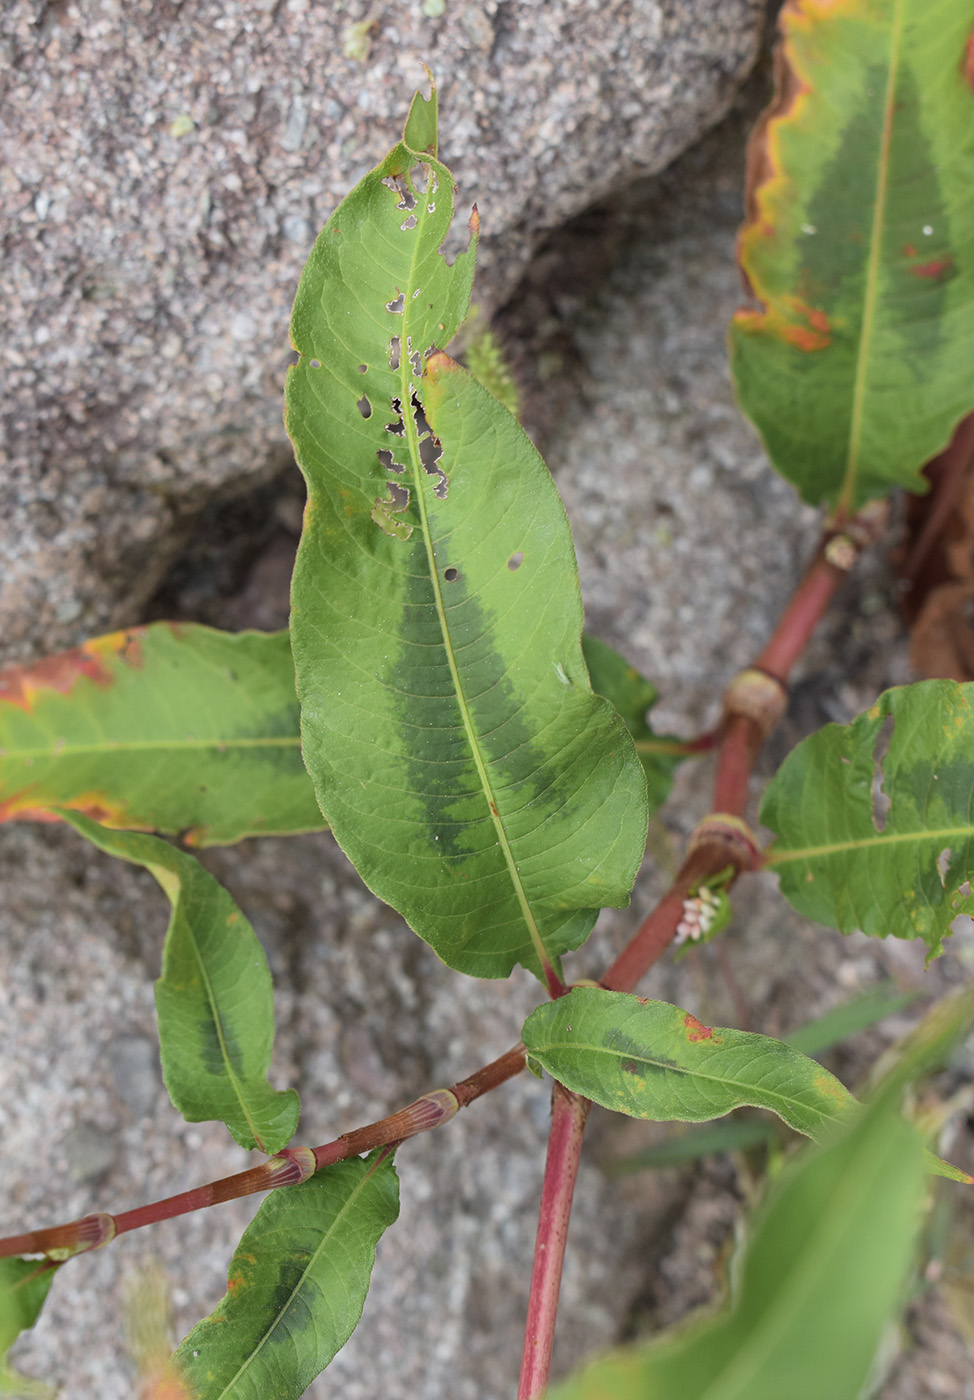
{"x": 859, "y": 245}
{"x": 733, "y": 1135}
{"x": 171, "y": 728}
{"x": 295, "y": 1290}
{"x": 824, "y": 1273}
{"x": 857, "y": 1014}
{"x": 214, "y": 1000}
{"x": 24, "y": 1286}
{"x": 881, "y": 842}
{"x": 648, "y": 1059}
{"x": 466, "y": 767}
{"x": 633, "y": 695}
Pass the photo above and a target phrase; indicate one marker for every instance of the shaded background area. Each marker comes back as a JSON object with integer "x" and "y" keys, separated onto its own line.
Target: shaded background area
{"x": 687, "y": 546}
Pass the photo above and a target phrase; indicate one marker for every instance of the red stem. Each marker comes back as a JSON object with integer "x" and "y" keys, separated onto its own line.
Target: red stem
{"x": 801, "y": 617}
{"x": 649, "y": 942}
{"x": 739, "y": 748}
{"x": 290, "y": 1167}
{"x": 568, "y": 1114}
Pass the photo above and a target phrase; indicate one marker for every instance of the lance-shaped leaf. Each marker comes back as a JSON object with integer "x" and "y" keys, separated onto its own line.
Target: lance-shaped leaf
{"x": 633, "y": 696}
{"x": 824, "y": 1272}
{"x": 295, "y": 1290}
{"x": 172, "y": 728}
{"x": 214, "y": 1000}
{"x": 24, "y": 1285}
{"x": 859, "y": 245}
{"x": 456, "y": 747}
{"x": 881, "y": 838}
{"x": 649, "y": 1059}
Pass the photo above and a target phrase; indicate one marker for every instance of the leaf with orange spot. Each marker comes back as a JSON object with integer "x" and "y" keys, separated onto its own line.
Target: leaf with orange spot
{"x": 297, "y": 1283}
{"x": 171, "y": 728}
{"x": 464, "y": 762}
{"x": 856, "y": 364}
{"x": 649, "y": 1059}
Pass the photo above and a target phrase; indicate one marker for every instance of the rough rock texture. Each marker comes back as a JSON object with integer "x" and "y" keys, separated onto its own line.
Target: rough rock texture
{"x": 165, "y": 168}
{"x": 687, "y": 545}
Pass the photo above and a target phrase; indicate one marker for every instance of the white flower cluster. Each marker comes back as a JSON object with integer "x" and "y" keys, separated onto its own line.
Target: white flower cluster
{"x": 699, "y": 913}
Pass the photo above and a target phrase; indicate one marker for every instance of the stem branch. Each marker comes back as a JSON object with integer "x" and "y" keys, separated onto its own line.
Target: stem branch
{"x": 568, "y": 1115}
{"x": 288, "y": 1168}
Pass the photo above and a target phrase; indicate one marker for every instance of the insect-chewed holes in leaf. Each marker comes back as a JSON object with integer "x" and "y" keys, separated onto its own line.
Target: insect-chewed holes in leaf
{"x": 407, "y": 224}
{"x": 387, "y": 460}
{"x": 397, "y": 304}
{"x": 451, "y": 575}
{"x": 364, "y": 407}
{"x": 515, "y": 562}
{"x": 458, "y": 238}
{"x": 943, "y": 865}
{"x": 395, "y": 349}
{"x": 880, "y": 799}
{"x": 430, "y": 451}
{"x": 399, "y": 186}
{"x": 363, "y": 369}
{"x": 387, "y": 510}
{"x": 398, "y": 428}
{"x": 315, "y": 364}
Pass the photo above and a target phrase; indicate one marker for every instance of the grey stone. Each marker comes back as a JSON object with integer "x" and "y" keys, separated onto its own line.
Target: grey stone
{"x": 164, "y": 169}
{"x": 89, "y": 1151}
{"x": 134, "y": 1063}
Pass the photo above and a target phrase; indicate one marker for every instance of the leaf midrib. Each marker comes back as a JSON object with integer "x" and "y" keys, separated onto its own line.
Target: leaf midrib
{"x": 110, "y": 746}
{"x": 640, "y": 1058}
{"x": 160, "y": 871}
{"x": 269, "y": 1329}
{"x": 418, "y": 472}
{"x": 774, "y": 857}
{"x": 847, "y": 494}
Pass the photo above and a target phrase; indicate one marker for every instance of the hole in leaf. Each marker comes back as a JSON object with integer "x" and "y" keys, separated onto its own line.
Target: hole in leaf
{"x": 315, "y": 364}
{"x": 363, "y": 369}
{"x": 408, "y": 224}
{"x": 451, "y": 575}
{"x": 419, "y": 413}
{"x": 364, "y": 407}
{"x": 880, "y": 799}
{"x": 457, "y": 238}
{"x": 395, "y": 346}
{"x": 515, "y": 562}
{"x": 387, "y": 460}
{"x": 430, "y": 451}
{"x": 943, "y": 865}
{"x": 401, "y": 185}
{"x": 398, "y": 428}
{"x": 397, "y": 304}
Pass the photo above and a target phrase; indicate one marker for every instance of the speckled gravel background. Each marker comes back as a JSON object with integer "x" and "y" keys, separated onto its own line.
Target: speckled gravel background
{"x": 687, "y": 545}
